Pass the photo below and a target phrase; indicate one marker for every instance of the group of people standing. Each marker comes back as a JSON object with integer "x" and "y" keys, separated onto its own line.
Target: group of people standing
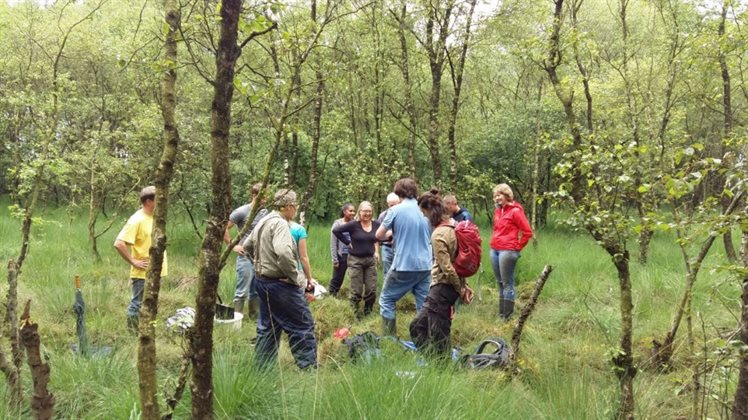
{"x": 414, "y": 239}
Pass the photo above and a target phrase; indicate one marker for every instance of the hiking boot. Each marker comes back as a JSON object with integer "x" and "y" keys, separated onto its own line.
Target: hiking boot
{"x": 132, "y": 323}
{"x": 239, "y": 305}
{"x": 389, "y": 327}
{"x": 253, "y": 311}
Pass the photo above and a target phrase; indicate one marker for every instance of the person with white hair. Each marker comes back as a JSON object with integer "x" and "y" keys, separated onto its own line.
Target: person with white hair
{"x": 386, "y": 247}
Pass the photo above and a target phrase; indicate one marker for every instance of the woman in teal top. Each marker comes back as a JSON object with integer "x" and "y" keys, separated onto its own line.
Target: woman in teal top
{"x": 299, "y": 237}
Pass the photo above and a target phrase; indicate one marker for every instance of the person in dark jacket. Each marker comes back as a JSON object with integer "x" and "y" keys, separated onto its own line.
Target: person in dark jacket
{"x": 458, "y": 213}
{"x": 339, "y": 250}
{"x": 363, "y": 256}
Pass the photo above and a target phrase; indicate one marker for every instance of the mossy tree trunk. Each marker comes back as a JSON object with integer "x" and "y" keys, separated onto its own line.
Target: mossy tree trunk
{"x": 740, "y": 405}
{"x": 147, "y": 341}
{"x": 202, "y": 343}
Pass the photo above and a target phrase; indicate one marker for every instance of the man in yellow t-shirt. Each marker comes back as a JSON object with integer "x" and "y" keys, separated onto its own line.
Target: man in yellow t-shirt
{"x": 133, "y": 244}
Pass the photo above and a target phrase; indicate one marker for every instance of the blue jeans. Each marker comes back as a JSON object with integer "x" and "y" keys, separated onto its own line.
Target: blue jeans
{"x": 388, "y": 254}
{"x": 503, "y": 263}
{"x": 283, "y": 307}
{"x": 245, "y": 273}
{"x": 137, "y": 285}
{"x": 397, "y": 284}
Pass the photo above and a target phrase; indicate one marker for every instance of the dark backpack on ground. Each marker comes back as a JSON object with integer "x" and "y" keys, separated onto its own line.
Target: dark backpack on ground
{"x": 491, "y": 353}
{"x": 468, "y": 258}
{"x": 363, "y": 346}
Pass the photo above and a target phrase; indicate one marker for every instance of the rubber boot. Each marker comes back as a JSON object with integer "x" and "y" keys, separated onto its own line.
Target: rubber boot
{"x": 356, "y": 309}
{"x": 254, "y": 308}
{"x": 502, "y": 308}
{"x": 132, "y": 323}
{"x": 508, "y": 309}
{"x": 389, "y": 327}
{"x": 369, "y": 305}
{"x": 239, "y": 305}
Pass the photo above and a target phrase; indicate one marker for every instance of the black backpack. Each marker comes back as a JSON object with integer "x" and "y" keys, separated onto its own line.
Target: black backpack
{"x": 363, "y": 346}
{"x": 498, "y": 358}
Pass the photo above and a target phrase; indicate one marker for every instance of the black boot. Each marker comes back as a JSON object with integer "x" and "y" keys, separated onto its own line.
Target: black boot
{"x": 506, "y": 309}
{"x": 253, "y": 310}
{"x": 509, "y": 309}
{"x": 356, "y": 310}
{"x": 389, "y": 327}
{"x": 369, "y": 305}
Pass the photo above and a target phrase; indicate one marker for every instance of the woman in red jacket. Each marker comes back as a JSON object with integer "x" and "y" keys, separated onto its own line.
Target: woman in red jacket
{"x": 511, "y": 232}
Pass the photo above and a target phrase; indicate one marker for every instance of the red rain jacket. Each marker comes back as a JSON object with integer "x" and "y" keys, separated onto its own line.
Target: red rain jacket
{"x": 508, "y": 221}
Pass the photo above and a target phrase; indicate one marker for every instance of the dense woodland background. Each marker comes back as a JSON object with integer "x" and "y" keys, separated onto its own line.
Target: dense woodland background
{"x": 625, "y": 119}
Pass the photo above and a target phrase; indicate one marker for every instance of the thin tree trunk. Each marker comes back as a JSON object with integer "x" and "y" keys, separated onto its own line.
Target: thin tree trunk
{"x": 147, "y": 368}
{"x": 210, "y": 253}
{"x": 12, "y": 371}
{"x": 580, "y": 65}
{"x": 663, "y": 352}
{"x": 409, "y": 104}
{"x": 624, "y": 360}
{"x": 553, "y": 60}
{"x": 316, "y": 130}
{"x": 727, "y": 111}
{"x": 740, "y": 405}
{"x": 457, "y": 74}
{"x": 436, "y": 54}
{"x": 536, "y": 166}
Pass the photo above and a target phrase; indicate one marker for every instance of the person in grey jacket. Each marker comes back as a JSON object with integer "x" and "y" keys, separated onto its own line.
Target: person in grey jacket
{"x": 339, "y": 250}
{"x": 245, "y": 271}
{"x": 280, "y": 287}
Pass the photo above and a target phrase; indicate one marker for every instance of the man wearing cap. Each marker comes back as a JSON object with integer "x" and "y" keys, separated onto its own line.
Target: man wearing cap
{"x": 133, "y": 243}
{"x": 280, "y": 287}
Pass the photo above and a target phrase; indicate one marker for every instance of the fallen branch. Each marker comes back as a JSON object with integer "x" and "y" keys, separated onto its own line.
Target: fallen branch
{"x": 184, "y": 370}
{"x": 528, "y": 308}
{"x": 42, "y": 401}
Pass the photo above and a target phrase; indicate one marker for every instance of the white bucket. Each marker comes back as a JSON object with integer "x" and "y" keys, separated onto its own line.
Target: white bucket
{"x": 235, "y": 323}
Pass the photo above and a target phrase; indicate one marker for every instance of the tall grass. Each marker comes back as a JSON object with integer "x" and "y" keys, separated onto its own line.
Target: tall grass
{"x": 566, "y": 346}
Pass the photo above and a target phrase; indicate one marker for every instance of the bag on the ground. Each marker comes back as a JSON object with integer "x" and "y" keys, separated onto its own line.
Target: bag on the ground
{"x": 363, "y": 346}
{"x": 468, "y": 258}
{"x": 491, "y": 353}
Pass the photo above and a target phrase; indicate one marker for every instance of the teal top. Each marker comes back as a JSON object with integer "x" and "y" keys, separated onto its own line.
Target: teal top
{"x": 298, "y": 233}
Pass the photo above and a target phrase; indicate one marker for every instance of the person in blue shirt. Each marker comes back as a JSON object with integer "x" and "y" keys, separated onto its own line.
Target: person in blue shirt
{"x": 411, "y": 266}
{"x": 458, "y": 213}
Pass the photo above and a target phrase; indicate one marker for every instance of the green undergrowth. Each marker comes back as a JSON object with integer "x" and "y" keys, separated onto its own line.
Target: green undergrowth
{"x": 564, "y": 357}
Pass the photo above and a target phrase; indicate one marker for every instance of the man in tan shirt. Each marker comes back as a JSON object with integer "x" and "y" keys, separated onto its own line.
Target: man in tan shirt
{"x": 280, "y": 287}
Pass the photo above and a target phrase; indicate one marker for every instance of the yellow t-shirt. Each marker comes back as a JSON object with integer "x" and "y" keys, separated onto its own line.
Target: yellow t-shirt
{"x": 137, "y": 234}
